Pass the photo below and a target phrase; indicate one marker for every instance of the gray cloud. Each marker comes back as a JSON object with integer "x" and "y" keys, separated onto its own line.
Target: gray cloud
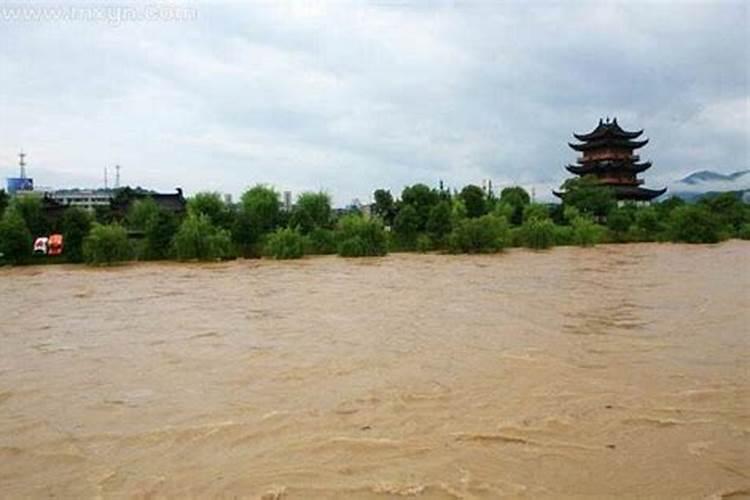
{"x": 350, "y": 97}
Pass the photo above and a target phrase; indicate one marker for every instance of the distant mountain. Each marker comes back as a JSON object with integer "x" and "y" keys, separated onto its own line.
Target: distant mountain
{"x": 708, "y": 183}
{"x": 706, "y": 176}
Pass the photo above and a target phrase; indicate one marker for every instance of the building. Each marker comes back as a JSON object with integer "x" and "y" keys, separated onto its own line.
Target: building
{"x": 87, "y": 199}
{"x": 607, "y": 154}
{"x": 124, "y": 197}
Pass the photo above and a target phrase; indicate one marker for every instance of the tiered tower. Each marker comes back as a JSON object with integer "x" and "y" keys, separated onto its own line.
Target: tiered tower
{"x": 607, "y": 155}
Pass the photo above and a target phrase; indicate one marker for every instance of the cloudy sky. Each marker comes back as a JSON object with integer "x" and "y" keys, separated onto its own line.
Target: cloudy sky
{"x": 352, "y": 96}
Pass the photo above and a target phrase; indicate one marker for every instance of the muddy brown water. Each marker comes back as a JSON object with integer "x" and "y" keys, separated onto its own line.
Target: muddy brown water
{"x": 612, "y": 371}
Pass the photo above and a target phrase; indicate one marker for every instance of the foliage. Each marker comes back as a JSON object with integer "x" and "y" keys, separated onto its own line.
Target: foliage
{"x": 729, "y": 210}
{"x": 384, "y": 206}
{"x": 535, "y": 211}
{"x": 588, "y": 196}
{"x": 744, "y": 232}
{"x": 30, "y": 208}
{"x": 285, "y": 243}
{"x": 15, "y": 238}
{"x": 538, "y": 233}
{"x": 76, "y": 225}
{"x": 312, "y": 210}
{"x": 4, "y": 201}
{"x": 474, "y": 200}
{"x": 422, "y": 198}
{"x": 694, "y": 224}
{"x": 484, "y": 234}
{"x": 619, "y": 221}
{"x": 439, "y": 222}
{"x": 423, "y": 243}
{"x": 106, "y": 245}
{"x": 321, "y": 241}
{"x": 585, "y": 232}
{"x": 516, "y": 198}
{"x": 360, "y": 237}
{"x": 406, "y": 225}
{"x": 213, "y": 206}
{"x": 158, "y": 234}
{"x": 197, "y": 238}
{"x": 259, "y": 214}
{"x": 140, "y": 212}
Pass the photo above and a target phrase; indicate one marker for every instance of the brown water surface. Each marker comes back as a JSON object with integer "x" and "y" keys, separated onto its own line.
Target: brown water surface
{"x": 618, "y": 370}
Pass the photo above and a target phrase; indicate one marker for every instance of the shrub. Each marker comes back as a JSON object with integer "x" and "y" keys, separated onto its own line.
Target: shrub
{"x": 106, "y": 245}
{"x": 321, "y": 242}
{"x": 744, "y": 232}
{"x": 212, "y": 205}
{"x": 15, "y": 238}
{"x": 140, "y": 212}
{"x": 198, "y": 239}
{"x": 360, "y": 237}
{"x": 76, "y": 224}
{"x": 563, "y": 235}
{"x": 694, "y": 224}
{"x": 484, "y": 234}
{"x": 586, "y": 232}
{"x": 538, "y": 233}
{"x": 159, "y": 232}
{"x": 285, "y": 243}
{"x": 424, "y": 243}
{"x": 439, "y": 221}
{"x": 311, "y": 210}
{"x": 259, "y": 214}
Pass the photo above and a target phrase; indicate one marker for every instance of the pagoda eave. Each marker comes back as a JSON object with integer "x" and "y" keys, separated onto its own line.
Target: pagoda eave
{"x": 636, "y": 193}
{"x": 608, "y": 143}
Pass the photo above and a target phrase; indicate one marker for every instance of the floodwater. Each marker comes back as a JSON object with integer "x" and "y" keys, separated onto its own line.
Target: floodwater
{"x": 613, "y": 371}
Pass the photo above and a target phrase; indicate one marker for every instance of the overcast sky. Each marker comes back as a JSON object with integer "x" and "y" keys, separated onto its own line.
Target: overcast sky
{"x": 348, "y": 97}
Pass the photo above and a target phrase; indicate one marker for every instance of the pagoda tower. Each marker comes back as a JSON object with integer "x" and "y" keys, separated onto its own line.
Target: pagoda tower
{"x": 607, "y": 155}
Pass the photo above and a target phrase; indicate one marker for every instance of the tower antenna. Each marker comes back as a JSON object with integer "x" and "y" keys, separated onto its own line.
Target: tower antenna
{"x": 22, "y": 163}
{"x": 105, "y": 177}
{"x": 117, "y": 176}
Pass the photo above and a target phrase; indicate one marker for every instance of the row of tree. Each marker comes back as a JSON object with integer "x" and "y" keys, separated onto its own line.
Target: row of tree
{"x": 471, "y": 220}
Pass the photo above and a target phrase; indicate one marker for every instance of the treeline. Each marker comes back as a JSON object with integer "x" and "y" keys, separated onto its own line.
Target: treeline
{"x": 422, "y": 219}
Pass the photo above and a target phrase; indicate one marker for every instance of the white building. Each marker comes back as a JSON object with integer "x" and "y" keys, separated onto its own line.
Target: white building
{"x": 87, "y": 199}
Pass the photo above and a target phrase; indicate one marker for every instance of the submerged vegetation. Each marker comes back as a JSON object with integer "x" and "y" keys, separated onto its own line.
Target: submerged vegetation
{"x": 423, "y": 219}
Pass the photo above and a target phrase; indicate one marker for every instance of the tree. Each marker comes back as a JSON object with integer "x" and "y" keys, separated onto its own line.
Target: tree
{"x": 731, "y": 213}
{"x": 384, "y": 206}
{"x": 30, "y": 208}
{"x": 588, "y": 196}
{"x": 140, "y": 212}
{"x": 485, "y": 234}
{"x": 213, "y": 206}
{"x": 76, "y": 225}
{"x": 285, "y": 243}
{"x": 475, "y": 201}
{"x": 538, "y": 232}
{"x": 259, "y": 214}
{"x": 694, "y": 224}
{"x": 535, "y": 211}
{"x": 312, "y": 210}
{"x": 406, "y": 225}
{"x": 439, "y": 221}
{"x": 106, "y": 245}
{"x": 4, "y": 201}
{"x": 158, "y": 234}
{"x": 517, "y": 198}
{"x": 422, "y": 198}
{"x": 360, "y": 237}
{"x": 15, "y": 238}
{"x": 198, "y": 239}
{"x": 619, "y": 221}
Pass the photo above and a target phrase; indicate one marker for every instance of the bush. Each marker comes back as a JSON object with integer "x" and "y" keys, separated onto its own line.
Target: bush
{"x": 311, "y": 211}
{"x": 106, "y": 245}
{"x": 484, "y": 234}
{"x": 564, "y": 235}
{"x": 538, "y": 233}
{"x": 285, "y": 244}
{"x": 159, "y": 232}
{"x": 586, "y": 232}
{"x": 199, "y": 239}
{"x": 744, "y": 232}
{"x": 360, "y": 237}
{"x": 76, "y": 225}
{"x": 321, "y": 242}
{"x": 424, "y": 243}
{"x": 15, "y": 238}
{"x": 694, "y": 224}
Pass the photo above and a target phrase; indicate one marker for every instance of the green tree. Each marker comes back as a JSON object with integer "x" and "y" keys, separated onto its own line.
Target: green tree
{"x": 384, "y": 206}
{"x": 140, "y": 212}
{"x": 106, "y": 245}
{"x": 360, "y": 237}
{"x": 285, "y": 243}
{"x": 475, "y": 201}
{"x": 535, "y": 211}
{"x": 586, "y": 232}
{"x": 588, "y": 196}
{"x": 312, "y": 210}
{"x": 439, "y": 222}
{"x": 15, "y": 238}
{"x": 30, "y": 208}
{"x": 729, "y": 210}
{"x": 76, "y": 225}
{"x": 694, "y": 224}
{"x": 620, "y": 220}
{"x": 538, "y": 233}
{"x": 4, "y": 201}
{"x": 406, "y": 225}
{"x": 517, "y": 198}
{"x": 422, "y": 198}
{"x": 485, "y": 234}
{"x": 158, "y": 234}
{"x": 258, "y": 215}
{"x": 198, "y": 239}
{"x": 213, "y": 206}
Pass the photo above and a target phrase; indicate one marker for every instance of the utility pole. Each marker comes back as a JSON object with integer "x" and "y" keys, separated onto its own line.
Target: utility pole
{"x": 105, "y": 178}
{"x": 22, "y": 163}
{"x": 117, "y": 176}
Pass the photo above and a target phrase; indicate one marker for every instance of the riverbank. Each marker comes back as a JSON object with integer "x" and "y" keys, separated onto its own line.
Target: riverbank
{"x": 615, "y": 370}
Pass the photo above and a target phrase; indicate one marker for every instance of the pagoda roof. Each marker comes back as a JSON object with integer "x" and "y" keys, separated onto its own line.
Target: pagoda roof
{"x": 608, "y": 130}
{"x": 624, "y": 192}
{"x": 608, "y": 142}
{"x": 609, "y": 165}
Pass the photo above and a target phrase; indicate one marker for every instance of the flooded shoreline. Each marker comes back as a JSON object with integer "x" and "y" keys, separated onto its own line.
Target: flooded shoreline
{"x": 616, "y": 370}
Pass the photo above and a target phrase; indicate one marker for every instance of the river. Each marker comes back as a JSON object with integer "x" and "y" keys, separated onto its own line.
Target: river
{"x": 620, "y": 370}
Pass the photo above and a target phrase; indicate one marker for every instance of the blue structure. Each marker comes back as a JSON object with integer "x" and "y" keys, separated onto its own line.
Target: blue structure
{"x": 20, "y": 183}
